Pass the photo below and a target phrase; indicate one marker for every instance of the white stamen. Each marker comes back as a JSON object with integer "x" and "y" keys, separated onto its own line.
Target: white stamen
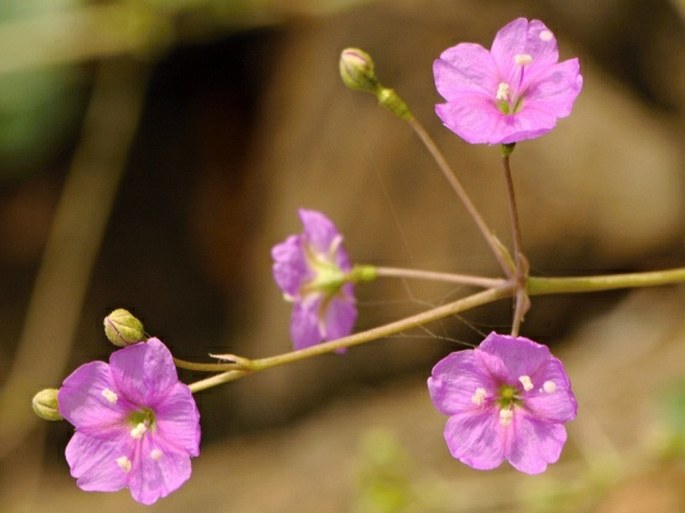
{"x": 111, "y": 397}
{"x": 549, "y": 387}
{"x": 521, "y": 59}
{"x": 139, "y": 430}
{"x": 156, "y": 454}
{"x": 527, "y": 383}
{"x": 546, "y": 35}
{"x": 124, "y": 463}
{"x": 503, "y": 90}
{"x": 478, "y": 396}
{"x": 505, "y": 417}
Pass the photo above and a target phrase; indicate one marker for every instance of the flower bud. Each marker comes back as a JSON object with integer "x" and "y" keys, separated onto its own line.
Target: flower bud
{"x": 123, "y": 329}
{"x": 357, "y": 70}
{"x": 45, "y": 404}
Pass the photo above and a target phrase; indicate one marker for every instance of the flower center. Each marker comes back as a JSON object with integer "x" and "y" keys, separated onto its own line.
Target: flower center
{"x": 141, "y": 422}
{"x": 328, "y": 277}
{"x": 510, "y": 100}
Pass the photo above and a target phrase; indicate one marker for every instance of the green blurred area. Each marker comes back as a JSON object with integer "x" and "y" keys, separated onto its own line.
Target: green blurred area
{"x": 46, "y": 47}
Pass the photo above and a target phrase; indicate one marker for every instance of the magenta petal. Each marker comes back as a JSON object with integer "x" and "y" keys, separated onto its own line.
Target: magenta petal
{"x": 93, "y": 462}
{"x": 158, "y": 471}
{"x": 475, "y": 119}
{"x": 178, "y": 420}
{"x": 465, "y": 70}
{"x": 304, "y": 323}
{"x": 290, "y": 266}
{"x": 82, "y": 399}
{"x": 523, "y": 357}
{"x": 476, "y": 439}
{"x": 319, "y": 231}
{"x": 340, "y": 317}
{"x": 521, "y": 37}
{"x": 455, "y": 379}
{"x": 144, "y": 371}
{"x": 536, "y": 444}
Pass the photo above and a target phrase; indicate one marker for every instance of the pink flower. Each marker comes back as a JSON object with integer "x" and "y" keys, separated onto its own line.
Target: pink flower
{"x": 515, "y": 91}
{"x": 136, "y": 425}
{"x": 508, "y": 399}
{"x": 312, "y": 270}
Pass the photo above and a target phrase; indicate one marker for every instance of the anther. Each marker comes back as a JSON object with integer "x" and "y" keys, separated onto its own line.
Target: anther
{"x": 505, "y": 417}
{"x": 478, "y": 396}
{"x": 527, "y": 383}
{"x": 503, "y": 91}
{"x": 549, "y": 387}
{"x": 521, "y": 59}
{"x": 156, "y": 454}
{"x": 111, "y": 396}
{"x": 546, "y": 35}
{"x": 124, "y": 463}
{"x": 139, "y": 430}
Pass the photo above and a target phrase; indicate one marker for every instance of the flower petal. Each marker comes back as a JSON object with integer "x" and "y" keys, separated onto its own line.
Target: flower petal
{"x": 475, "y": 119}
{"x": 178, "y": 421}
{"x": 144, "y": 372}
{"x": 304, "y": 323}
{"x": 319, "y": 231}
{"x": 522, "y": 356}
{"x": 557, "y": 404}
{"x": 535, "y": 443}
{"x": 93, "y": 461}
{"x": 477, "y": 439}
{"x": 464, "y": 70}
{"x": 83, "y": 400}
{"x": 290, "y": 265}
{"x": 555, "y": 89}
{"x": 340, "y": 315}
{"x": 521, "y": 37}
{"x": 157, "y": 471}
{"x": 455, "y": 379}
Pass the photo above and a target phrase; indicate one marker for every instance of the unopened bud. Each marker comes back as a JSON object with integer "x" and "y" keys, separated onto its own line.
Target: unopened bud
{"x": 45, "y": 404}
{"x": 357, "y": 70}
{"x": 123, "y": 329}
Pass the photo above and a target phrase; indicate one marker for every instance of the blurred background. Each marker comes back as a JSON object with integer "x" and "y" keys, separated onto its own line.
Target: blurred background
{"x": 152, "y": 151}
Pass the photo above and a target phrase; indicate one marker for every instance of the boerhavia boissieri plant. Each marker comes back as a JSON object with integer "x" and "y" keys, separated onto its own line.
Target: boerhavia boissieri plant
{"x": 137, "y": 425}
{"x": 515, "y": 91}
{"x": 508, "y": 399}
{"x": 313, "y": 271}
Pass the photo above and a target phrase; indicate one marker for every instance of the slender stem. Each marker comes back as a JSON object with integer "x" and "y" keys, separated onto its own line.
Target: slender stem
{"x": 217, "y": 379}
{"x": 535, "y": 286}
{"x": 454, "y": 182}
{"x": 461, "y": 279}
{"x": 538, "y": 286}
{"x": 521, "y": 273}
{"x": 234, "y": 371}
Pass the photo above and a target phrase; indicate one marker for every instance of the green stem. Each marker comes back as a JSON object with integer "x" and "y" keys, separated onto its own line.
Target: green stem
{"x": 461, "y": 279}
{"x": 538, "y": 286}
{"x": 234, "y": 370}
{"x": 239, "y": 367}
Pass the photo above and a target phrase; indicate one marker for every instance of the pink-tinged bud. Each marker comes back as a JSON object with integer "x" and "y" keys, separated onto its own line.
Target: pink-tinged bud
{"x": 123, "y": 329}
{"x": 357, "y": 70}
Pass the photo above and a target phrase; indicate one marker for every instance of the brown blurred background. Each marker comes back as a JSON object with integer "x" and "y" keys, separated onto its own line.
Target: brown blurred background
{"x": 152, "y": 152}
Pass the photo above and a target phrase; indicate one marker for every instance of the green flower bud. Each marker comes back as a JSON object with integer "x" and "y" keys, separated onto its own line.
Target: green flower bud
{"x": 357, "y": 70}
{"x": 45, "y": 404}
{"x": 123, "y": 329}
